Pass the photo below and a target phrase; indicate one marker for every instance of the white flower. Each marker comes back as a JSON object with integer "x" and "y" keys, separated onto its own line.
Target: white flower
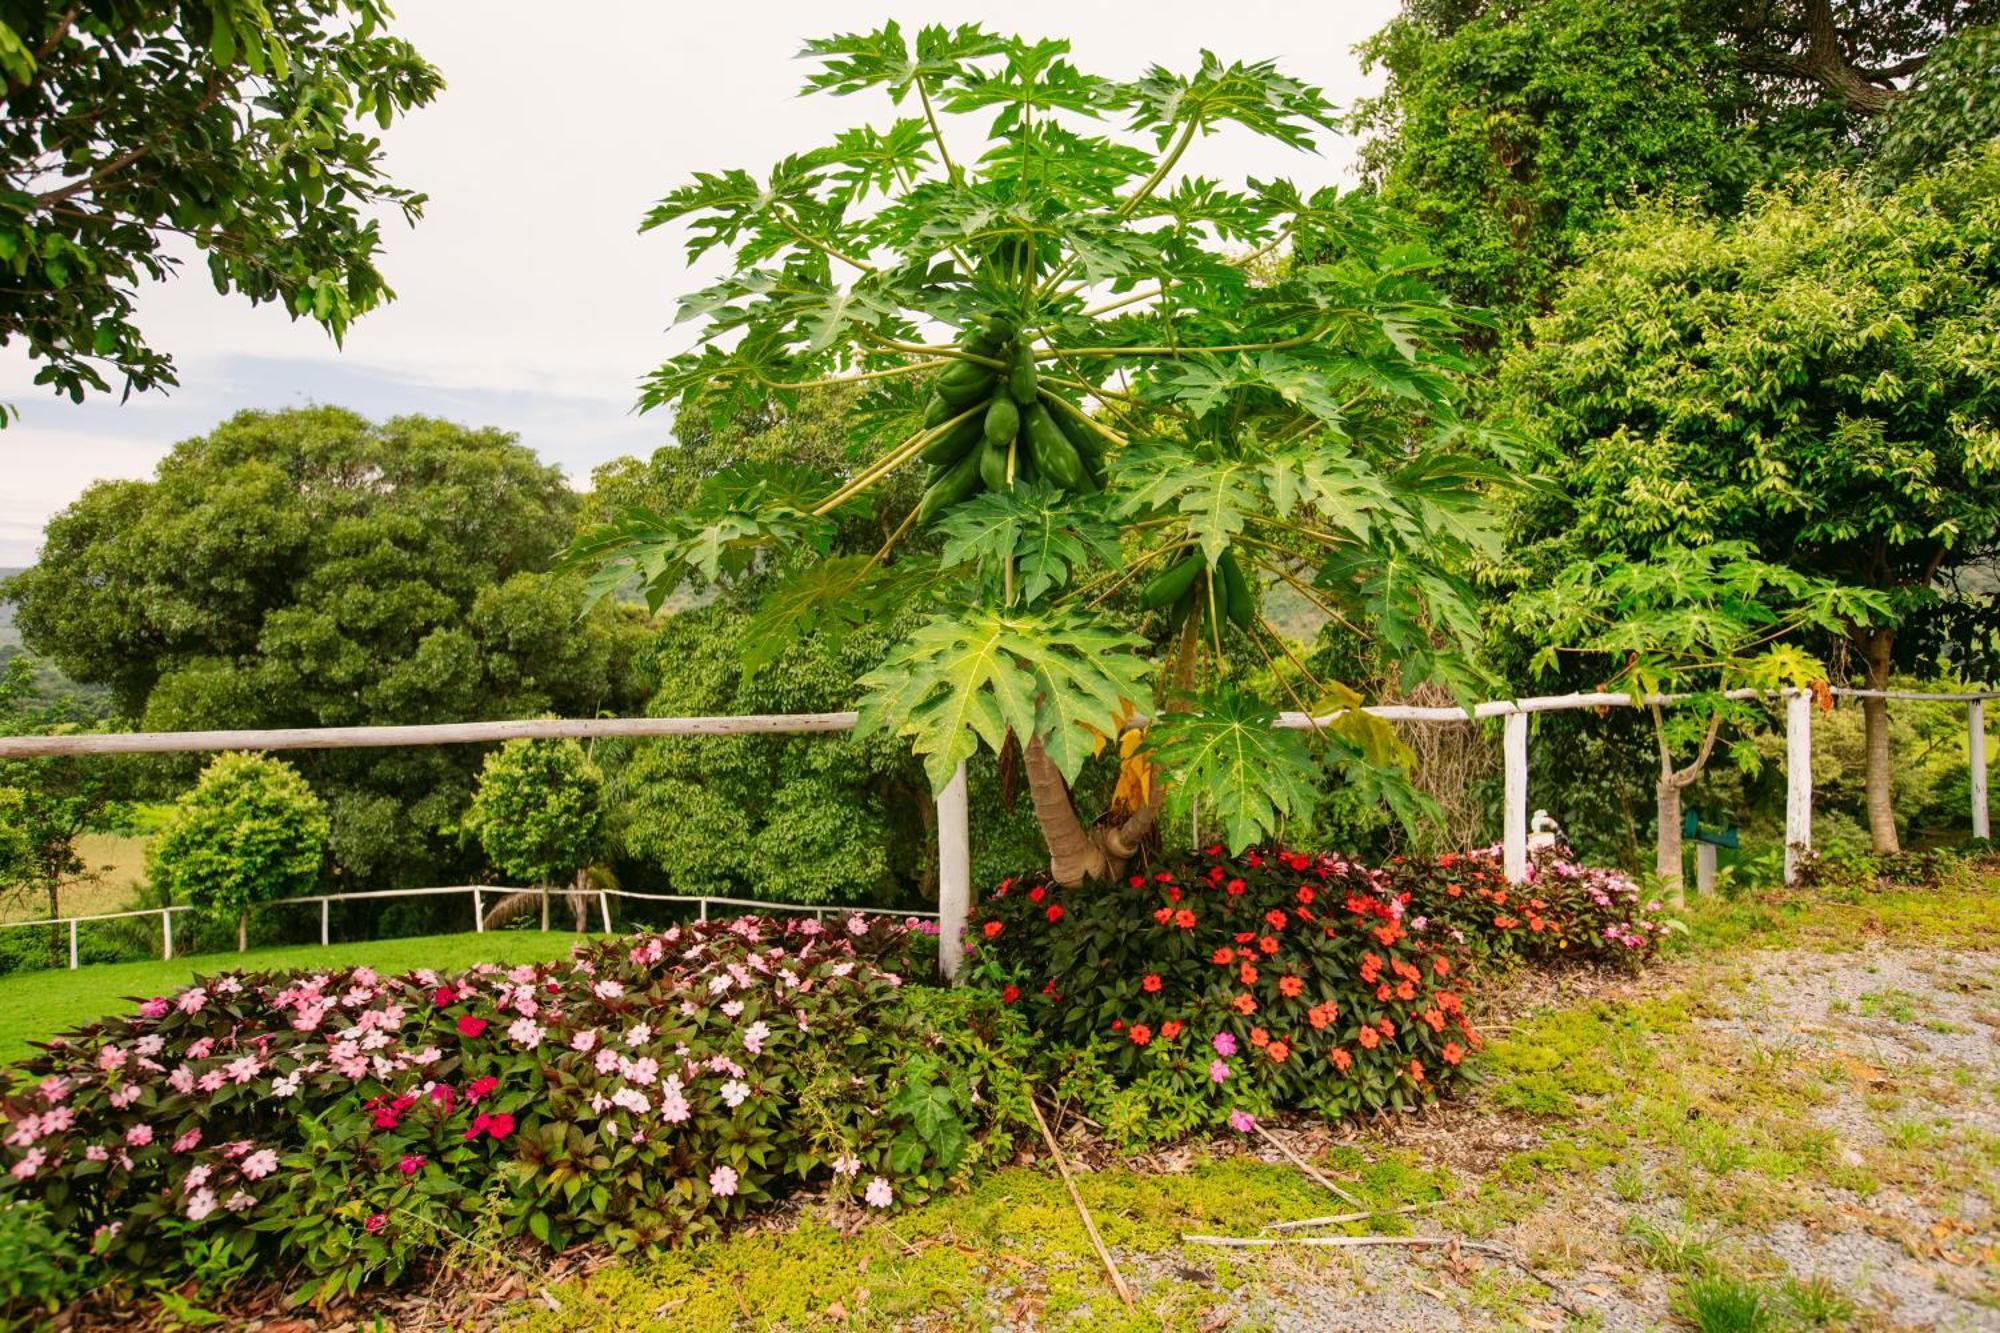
{"x": 526, "y": 1032}
{"x": 199, "y": 1205}
{"x": 239, "y": 1202}
{"x": 878, "y": 1193}
{"x": 732, "y": 1008}
{"x": 260, "y": 1164}
{"x": 754, "y": 1038}
{"x": 735, "y": 1091}
{"x": 639, "y": 1035}
{"x": 584, "y": 1040}
{"x": 847, "y": 1165}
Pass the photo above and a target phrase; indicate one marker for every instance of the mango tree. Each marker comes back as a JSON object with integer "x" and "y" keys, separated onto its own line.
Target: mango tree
{"x": 1137, "y": 409}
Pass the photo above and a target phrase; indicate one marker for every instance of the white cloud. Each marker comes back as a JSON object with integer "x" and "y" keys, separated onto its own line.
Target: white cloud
{"x": 527, "y": 298}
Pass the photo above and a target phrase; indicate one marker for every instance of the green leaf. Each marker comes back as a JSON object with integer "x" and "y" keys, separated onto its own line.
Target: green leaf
{"x": 1224, "y": 756}
{"x": 1047, "y": 532}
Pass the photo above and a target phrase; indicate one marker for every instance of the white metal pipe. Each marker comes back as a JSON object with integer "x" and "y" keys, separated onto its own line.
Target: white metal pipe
{"x": 954, "y": 827}
{"x": 1798, "y": 781}
{"x": 72, "y": 944}
{"x": 325, "y": 906}
{"x": 1514, "y": 831}
{"x": 604, "y": 906}
{"x": 478, "y": 912}
{"x": 166, "y": 936}
{"x": 1975, "y": 755}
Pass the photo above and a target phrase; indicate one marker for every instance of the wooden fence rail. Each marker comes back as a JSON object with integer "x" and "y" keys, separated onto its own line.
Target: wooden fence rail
{"x": 953, "y": 821}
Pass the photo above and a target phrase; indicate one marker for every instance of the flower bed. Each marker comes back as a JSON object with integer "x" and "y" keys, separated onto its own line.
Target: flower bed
{"x": 1220, "y": 987}
{"x": 344, "y": 1124}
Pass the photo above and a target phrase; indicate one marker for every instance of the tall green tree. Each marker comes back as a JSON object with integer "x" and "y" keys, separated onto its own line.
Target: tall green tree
{"x": 249, "y": 831}
{"x": 1816, "y": 378}
{"x": 539, "y": 814}
{"x": 309, "y": 568}
{"x": 1129, "y": 429}
{"x": 241, "y": 129}
{"x": 48, "y": 804}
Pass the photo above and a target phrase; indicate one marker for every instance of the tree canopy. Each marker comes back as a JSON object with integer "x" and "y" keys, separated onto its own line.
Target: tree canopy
{"x": 308, "y": 568}
{"x": 250, "y": 831}
{"x": 134, "y": 132}
{"x": 1080, "y": 341}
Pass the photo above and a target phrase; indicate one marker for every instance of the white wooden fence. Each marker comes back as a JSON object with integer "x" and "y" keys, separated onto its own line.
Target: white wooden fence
{"x": 954, "y": 833}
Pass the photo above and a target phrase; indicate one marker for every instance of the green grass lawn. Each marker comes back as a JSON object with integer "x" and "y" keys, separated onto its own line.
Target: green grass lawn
{"x": 36, "y": 1005}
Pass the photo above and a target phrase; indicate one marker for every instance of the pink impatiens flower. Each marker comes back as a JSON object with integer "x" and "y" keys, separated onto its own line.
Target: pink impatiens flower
{"x": 1242, "y": 1121}
{"x": 260, "y": 1164}
{"x": 154, "y": 1008}
{"x": 139, "y": 1135}
{"x": 1217, "y": 1071}
{"x": 188, "y": 1141}
{"x": 411, "y": 1164}
{"x": 722, "y": 1182}
{"x": 1224, "y": 1043}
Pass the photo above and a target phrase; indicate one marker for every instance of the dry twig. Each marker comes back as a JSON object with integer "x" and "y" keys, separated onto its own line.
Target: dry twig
{"x": 1345, "y": 1242}
{"x": 1307, "y": 1167}
{"x": 1090, "y": 1226}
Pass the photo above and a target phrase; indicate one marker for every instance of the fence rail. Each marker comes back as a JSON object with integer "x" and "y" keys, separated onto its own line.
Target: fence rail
{"x": 953, "y": 821}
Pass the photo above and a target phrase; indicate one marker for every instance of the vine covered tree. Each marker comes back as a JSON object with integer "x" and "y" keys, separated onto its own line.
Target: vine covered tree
{"x": 1133, "y": 422}
{"x": 240, "y": 128}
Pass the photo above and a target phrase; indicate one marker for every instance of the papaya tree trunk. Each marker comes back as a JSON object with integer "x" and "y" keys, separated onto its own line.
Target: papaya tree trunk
{"x": 1667, "y": 842}
{"x": 1074, "y": 855}
{"x": 1876, "y": 645}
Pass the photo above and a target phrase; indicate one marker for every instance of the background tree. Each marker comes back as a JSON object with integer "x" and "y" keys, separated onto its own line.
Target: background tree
{"x": 1699, "y": 622}
{"x": 1814, "y": 378}
{"x": 539, "y": 815}
{"x": 1298, "y": 427}
{"x": 308, "y": 568}
{"x": 237, "y": 128}
{"x": 250, "y": 831}
{"x": 1512, "y": 131}
{"x": 1953, "y": 107}
{"x": 52, "y": 802}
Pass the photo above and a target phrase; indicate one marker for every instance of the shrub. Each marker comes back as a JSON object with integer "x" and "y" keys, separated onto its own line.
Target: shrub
{"x": 649, "y": 1090}
{"x": 1217, "y": 984}
{"x": 249, "y": 831}
{"x": 539, "y": 812}
{"x": 39, "y": 1264}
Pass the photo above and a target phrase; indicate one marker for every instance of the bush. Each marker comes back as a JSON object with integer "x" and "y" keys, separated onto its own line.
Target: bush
{"x": 249, "y": 831}
{"x": 1221, "y": 985}
{"x": 539, "y": 811}
{"x": 650, "y": 1090}
{"x": 39, "y": 1264}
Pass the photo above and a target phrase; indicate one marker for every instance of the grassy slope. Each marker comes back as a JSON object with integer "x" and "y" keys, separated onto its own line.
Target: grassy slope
{"x": 37, "y": 1005}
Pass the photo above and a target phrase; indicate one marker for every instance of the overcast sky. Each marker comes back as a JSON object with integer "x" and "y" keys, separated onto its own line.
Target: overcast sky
{"x": 526, "y": 297}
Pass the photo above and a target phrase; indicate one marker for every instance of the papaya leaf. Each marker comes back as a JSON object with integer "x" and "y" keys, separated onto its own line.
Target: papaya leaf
{"x": 1048, "y": 533}
{"x": 1225, "y": 756}
{"x": 1216, "y": 496}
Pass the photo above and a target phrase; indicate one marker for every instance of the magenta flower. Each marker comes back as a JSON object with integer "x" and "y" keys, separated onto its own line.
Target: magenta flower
{"x": 1242, "y": 1121}
{"x": 411, "y": 1164}
{"x": 375, "y": 1223}
{"x": 1224, "y": 1043}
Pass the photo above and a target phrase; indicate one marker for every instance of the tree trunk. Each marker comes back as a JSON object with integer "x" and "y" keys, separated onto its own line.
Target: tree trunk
{"x": 1667, "y": 842}
{"x": 1875, "y": 647}
{"x": 243, "y": 930}
{"x": 1073, "y": 855}
{"x": 579, "y": 901}
{"x": 545, "y": 906}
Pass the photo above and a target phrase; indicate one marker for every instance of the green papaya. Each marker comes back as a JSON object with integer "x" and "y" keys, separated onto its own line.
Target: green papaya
{"x": 1088, "y": 444}
{"x": 958, "y": 484}
{"x": 955, "y": 443}
{"x": 937, "y": 411}
{"x": 1170, "y": 585}
{"x": 965, "y": 383}
{"x": 1021, "y": 378}
{"x": 1053, "y": 452}
{"x": 1000, "y": 328}
{"x": 993, "y": 465}
{"x": 981, "y": 342}
{"x": 1235, "y": 594}
{"x": 1003, "y": 420}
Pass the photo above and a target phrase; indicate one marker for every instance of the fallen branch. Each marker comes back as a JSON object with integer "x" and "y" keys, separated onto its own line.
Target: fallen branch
{"x": 1345, "y": 1242}
{"x": 1335, "y": 1219}
{"x": 1076, "y": 1197}
{"x": 1307, "y": 1167}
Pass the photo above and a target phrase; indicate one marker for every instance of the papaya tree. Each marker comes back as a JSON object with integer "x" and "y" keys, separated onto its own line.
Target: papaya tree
{"x": 1139, "y": 411}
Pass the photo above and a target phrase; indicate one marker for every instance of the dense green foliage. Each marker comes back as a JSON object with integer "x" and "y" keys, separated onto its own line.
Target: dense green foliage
{"x": 539, "y": 810}
{"x": 307, "y": 568}
{"x": 250, "y": 831}
{"x": 47, "y": 804}
{"x": 242, "y": 128}
{"x": 1953, "y": 106}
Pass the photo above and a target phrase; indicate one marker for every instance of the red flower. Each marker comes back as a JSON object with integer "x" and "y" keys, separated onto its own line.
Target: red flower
{"x": 992, "y": 928}
{"x": 1163, "y": 914}
{"x": 1137, "y": 881}
{"x": 1010, "y": 994}
{"x": 1140, "y": 1034}
{"x": 1184, "y": 919}
{"x": 1223, "y": 956}
{"x": 479, "y": 1087}
{"x": 1290, "y": 986}
{"x": 1276, "y": 918}
{"x": 1170, "y": 1029}
{"x": 1235, "y": 888}
{"x": 501, "y": 1125}
{"x": 1267, "y": 944}
{"x": 1055, "y": 912}
{"x": 1151, "y": 983}
{"x": 468, "y": 1026}
{"x": 1305, "y": 893}
{"x": 1453, "y": 1052}
{"x": 444, "y": 995}
{"x": 444, "y": 1095}
{"x": 1037, "y": 893}
{"x": 478, "y": 1126}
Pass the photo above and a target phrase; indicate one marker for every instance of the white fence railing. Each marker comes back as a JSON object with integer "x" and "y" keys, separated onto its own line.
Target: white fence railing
{"x": 701, "y": 904}
{"x": 954, "y": 834}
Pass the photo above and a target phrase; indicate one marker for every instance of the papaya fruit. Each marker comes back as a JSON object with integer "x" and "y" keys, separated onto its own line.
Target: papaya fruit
{"x": 1171, "y": 584}
{"x": 937, "y": 411}
{"x": 959, "y": 483}
{"x": 1238, "y": 602}
{"x": 1003, "y": 420}
{"x": 993, "y": 465}
{"x": 955, "y": 443}
{"x": 1054, "y": 454}
{"x": 1021, "y": 378}
{"x": 966, "y": 383}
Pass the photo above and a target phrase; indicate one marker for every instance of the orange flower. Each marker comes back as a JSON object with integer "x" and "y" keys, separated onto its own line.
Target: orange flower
{"x": 1441, "y": 964}
{"x": 1454, "y": 890}
{"x": 1151, "y": 983}
{"x": 993, "y": 928}
{"x": 1267, "y": 944}
{"x": 1163, "y": 914}
{"x": 1225, "y": 956}
{"x": 1405, "y": 991}
{"x": 1371, "y": 968}
{"x": 1245, "y": 1004}
{"x": 1305, "y": 893}
{"x": 1435, "y": 1017}
{"x": 1170, "y": 1029}
{"x": 1453, "y": 1052}
{"x": 1505, "y": 922}
{"x": 1276, "y": 918}
{"x": 1140, "y": 1034}
{"x": 1258, "y": 1036}
{"x": 1368, "y": 1039}
{"x": 1184, "y": 919}
{"x": 1341, "y": 1059}
{"x": 1289, "y": 986}
{"x": 1277, "y": 1050}
{"x": 1247, "y": 974}
{"x": 1404, "y": 970}
{"x": 1383, "y": 992}
{"x": 1388, "y": 1028}
{"x": 1416, "y": 1071}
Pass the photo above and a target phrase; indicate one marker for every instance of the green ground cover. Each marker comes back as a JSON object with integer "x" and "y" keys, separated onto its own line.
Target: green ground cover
{"x": 36, "y": 1005}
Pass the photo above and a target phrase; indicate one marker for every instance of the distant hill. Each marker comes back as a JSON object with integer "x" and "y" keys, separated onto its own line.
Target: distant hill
{"x": 9, "y": 636}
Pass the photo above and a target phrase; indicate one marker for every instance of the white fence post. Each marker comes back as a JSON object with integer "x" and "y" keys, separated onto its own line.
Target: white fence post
{"x": 478, "y": 912}
{"x": 1798, "y": 781}
{"x": 1514, "y": 748}
{"x": 604, "y": 909}
{"x": 954, "y": 873}
{"x": 72, "y": 944}
{"x": 324, "y": 905}
{"x": 166, "y": 935}
{"x": 1975, "y": 753}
